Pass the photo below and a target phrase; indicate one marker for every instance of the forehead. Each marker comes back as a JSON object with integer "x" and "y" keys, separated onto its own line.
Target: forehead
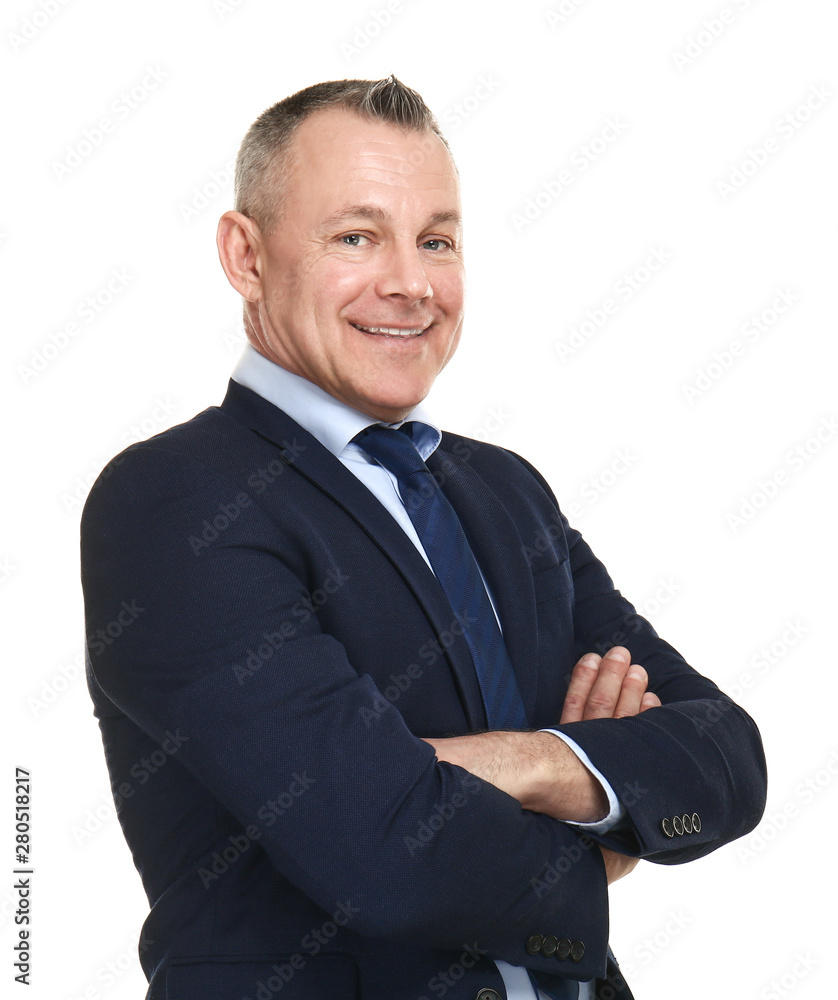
{"x": 339, "y": 157}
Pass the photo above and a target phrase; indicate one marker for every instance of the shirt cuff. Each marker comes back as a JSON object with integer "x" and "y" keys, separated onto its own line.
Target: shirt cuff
{"x": 616, "y": 810}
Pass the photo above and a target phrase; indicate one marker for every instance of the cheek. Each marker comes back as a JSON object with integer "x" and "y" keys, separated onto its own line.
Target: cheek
{"x": 337, "y": 286}
{"x": 450, "y": 289}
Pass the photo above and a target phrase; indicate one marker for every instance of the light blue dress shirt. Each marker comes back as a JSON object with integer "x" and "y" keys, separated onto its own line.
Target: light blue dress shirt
{"x": 335, "y": 424}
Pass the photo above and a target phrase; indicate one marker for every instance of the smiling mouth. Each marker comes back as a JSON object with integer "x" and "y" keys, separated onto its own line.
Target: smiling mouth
{"x": 397, "y": 333}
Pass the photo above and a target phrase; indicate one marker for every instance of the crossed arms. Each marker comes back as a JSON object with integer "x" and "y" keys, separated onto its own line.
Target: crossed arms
{"x": 542, "y": 772}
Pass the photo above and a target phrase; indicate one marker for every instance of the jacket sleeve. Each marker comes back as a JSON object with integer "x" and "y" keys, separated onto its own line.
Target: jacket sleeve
{"x": 215, "y": 649}
{"x": 690, "y": 774}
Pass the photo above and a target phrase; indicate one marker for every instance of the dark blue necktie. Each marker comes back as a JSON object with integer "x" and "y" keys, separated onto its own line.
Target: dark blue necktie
{"x": 444, "y": 541}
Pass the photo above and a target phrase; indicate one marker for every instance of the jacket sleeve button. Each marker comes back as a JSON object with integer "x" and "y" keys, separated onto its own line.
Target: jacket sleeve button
{"x": 696, "y": 823}
{"x": 549, "y": 946}
{"x": 677, "y": 825}
{"x": 577, "y": 951}
{"x": 563, "y": 951}
{"x": 666, "y": 826}
{"x": 687, "y": 823}
{"x": 534, "y": 943}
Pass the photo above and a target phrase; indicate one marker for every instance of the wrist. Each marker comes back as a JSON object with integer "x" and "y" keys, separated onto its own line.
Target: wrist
{"x": 561, "y": 786}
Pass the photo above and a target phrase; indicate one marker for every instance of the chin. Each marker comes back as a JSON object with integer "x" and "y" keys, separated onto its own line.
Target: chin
{"x": 395, "y": 406}
{"x": 388, "y": 414}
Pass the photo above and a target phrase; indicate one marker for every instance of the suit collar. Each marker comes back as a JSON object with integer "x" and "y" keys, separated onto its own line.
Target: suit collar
{"x": 331, "y": 421}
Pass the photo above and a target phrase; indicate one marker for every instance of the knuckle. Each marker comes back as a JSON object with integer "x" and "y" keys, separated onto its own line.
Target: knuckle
{"x": 600, "y": 703}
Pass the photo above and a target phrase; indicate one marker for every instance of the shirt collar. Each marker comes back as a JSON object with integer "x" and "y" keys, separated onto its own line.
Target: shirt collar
{"x": 332, "y": 422}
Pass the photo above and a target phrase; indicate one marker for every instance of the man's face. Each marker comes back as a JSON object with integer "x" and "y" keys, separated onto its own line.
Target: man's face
{"x": 362, "y": 280}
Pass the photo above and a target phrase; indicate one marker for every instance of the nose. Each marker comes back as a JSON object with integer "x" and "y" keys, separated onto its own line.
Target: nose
{"x": 403, "y": 274}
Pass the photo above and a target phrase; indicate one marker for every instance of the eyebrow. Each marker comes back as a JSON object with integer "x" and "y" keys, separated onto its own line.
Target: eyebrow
{"x": 374, "y": 214}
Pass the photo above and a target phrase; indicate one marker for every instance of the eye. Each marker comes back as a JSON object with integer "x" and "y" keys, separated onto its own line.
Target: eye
{"x": 436, "y": 244}
{"x": 353, "y": 239}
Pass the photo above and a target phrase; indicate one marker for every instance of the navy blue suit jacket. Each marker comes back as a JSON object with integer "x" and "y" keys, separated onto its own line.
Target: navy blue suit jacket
{"x": 266, "y": 648}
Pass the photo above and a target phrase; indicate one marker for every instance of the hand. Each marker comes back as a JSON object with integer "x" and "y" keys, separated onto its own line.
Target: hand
{"x": 608, "y": 687}
{"x": 541, "y": 771}
{"x": 616, "y": 865}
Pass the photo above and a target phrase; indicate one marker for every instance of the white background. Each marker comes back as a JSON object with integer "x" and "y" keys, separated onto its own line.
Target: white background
{"x": 650, "y": 472}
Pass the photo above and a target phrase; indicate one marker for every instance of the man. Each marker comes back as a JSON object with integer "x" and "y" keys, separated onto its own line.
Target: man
{"x": 323, "y": 708}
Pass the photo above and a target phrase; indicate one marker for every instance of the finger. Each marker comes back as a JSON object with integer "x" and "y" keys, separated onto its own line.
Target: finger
{"x": 581, "y": 681}
{"x": 632, "y": 693}
{"x": 649, "y": 700}
{"x": 616, "y": 865}
{"x": 621, "y": 868}
{"x": 605, "y": 693}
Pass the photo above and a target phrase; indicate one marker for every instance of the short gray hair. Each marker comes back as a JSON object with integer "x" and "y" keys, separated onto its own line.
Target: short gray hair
{"x": 263, "y": 159}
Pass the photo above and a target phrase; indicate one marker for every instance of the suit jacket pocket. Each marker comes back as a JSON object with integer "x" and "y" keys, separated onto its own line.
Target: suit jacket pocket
{"x": 292, "y": 977}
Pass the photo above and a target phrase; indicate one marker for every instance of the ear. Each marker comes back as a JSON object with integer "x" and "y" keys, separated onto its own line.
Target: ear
{"x": 238, "y": 241}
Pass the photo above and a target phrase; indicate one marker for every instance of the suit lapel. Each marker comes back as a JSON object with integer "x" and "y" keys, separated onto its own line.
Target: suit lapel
{"x": 310, "y": 459}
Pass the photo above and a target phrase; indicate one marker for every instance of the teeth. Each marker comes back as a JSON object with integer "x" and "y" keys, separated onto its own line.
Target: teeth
{"x": 390, "y": 331}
